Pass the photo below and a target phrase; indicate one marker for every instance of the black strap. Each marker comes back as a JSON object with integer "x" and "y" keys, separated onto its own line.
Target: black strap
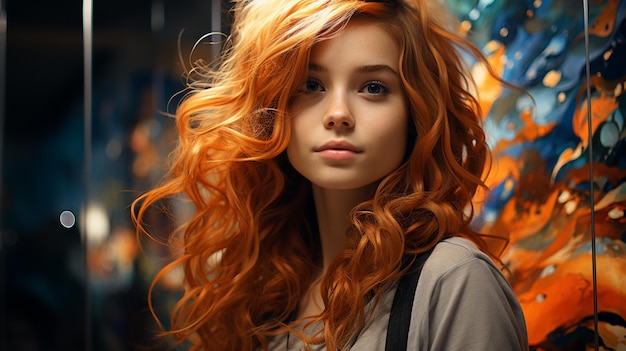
{"x": 400, "y": 317}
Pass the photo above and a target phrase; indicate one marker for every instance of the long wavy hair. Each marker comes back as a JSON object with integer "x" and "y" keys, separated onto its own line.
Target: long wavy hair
{"x": 251, "y": 247}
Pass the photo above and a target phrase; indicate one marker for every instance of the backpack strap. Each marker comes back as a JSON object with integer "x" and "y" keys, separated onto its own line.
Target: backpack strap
{"x": 400, "y": 317}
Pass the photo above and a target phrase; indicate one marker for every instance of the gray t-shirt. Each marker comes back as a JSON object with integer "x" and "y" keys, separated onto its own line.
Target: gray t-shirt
{"x": 462, "y": 302}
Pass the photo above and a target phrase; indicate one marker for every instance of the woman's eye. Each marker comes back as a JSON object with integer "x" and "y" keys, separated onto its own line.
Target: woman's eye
{"x": 375, "y": 88}
{"x": 312, "y": 86}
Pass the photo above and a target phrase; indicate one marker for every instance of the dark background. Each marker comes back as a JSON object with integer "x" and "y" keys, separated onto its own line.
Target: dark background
{"x": 48, "y": 299}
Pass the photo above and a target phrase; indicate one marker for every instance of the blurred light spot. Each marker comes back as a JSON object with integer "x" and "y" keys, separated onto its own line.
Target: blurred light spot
{"x": 474, "y": 14}
{"x": 616, "y": 213}
{"x": 484, "y": 3}
{"x": 173, "y": 278}
{"x": 509, "y": 184}
{"x": 157, "y": 16}
{"x": 530, "y": 13}
{"x": 549, "y": 270}
{"x": 492, "y": 45}
{"x": 504, "y": 32}
{"x": 141, "y": 167}
{"x": 67, "y": 219}
{"x": 552, "y": 78}
{"x": 524, "y": 103}
{"x": 540, "y": 298}
{"x": 96, "y": 226}
{"x": 510, "y": 126}
{"x": 466, "y": 26}
{"x": 561, "y": 97}
{"x": 537, "y": 4}
{"x": 570, "y": 207}
{"x": 113, "y": 149}
{"x": 154, "y": 128}
{"x": 609, "y": 135}
{"x": 607, "y": 54}
{"x": 491, "y": 216}
{"x": 564, "y": 196}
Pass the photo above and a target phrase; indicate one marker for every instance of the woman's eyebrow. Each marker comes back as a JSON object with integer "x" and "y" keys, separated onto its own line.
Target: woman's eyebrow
{"x": 376, "y": 68}
{"x": 314, "y": 67}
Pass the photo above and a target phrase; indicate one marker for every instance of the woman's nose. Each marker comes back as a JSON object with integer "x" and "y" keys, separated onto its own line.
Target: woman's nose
{"x": 339, "y": 114}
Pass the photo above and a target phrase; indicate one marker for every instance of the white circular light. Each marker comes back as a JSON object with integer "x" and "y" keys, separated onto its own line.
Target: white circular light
{"x": 67, "y": 219}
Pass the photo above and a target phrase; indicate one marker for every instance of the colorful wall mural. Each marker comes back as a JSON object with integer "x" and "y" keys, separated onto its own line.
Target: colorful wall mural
{"x": 551, "y": 166}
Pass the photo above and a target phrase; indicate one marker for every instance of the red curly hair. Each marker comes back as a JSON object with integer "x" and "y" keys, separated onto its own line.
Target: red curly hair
{"x": 251, "y": 248}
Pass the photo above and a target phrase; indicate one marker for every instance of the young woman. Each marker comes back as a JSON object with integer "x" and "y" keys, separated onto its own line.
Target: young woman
{"x": 336, "y": 143}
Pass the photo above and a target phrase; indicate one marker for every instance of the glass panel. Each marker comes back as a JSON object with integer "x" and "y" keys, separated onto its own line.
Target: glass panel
{"x": 61, "y": 292}
{"x": 140, "y": 54}
{"x": 44, "y": 297}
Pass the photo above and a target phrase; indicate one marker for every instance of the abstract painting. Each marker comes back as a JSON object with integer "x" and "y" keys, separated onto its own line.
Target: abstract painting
{"x": 557, "y": 181}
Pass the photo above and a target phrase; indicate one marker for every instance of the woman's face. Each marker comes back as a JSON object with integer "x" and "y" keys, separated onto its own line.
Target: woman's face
{"x": 350, "y": 117}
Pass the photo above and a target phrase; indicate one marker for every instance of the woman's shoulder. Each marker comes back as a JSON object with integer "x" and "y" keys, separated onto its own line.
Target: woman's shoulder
{"x": 453, "y": 252}
{"x": 462, "y": 298}
{"x": 459, "y": 259}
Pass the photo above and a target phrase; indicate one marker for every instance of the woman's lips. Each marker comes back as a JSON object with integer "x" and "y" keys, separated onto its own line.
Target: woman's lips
{"x": 337, "y": 155}
{"x": 338, "y": 150}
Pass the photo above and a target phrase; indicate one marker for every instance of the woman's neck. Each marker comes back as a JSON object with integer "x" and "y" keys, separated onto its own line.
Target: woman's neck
{"x": 333, "y": 209}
